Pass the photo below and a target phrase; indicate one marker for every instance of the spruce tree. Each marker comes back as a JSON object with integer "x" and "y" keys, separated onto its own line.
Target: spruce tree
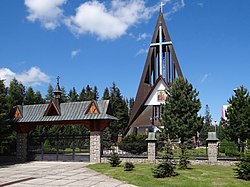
{"x": 49, "y": 94}
{"x": 238, "y": 112}
{"x": 180, "y": 112}
{"x": 82, "y": 96}
{"x": 73, "y": 96}
{"x": 38, "y": 98}
{"x": 106, "y": 95}
{"x": 16, "y": 93}
{"x": 29, "y": 96}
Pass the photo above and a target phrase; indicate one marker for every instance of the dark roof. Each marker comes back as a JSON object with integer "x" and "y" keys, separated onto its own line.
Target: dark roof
{"x": 68, "y": 111}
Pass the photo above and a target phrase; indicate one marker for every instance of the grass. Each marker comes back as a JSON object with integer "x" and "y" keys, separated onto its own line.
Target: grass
{"x": 196, "y": 176}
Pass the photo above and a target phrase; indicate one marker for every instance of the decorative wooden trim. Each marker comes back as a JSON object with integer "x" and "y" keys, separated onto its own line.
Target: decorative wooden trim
{"x": 18, "y": 113}
{"x": 49, "y": 111}
{"x": 92, "y": 108}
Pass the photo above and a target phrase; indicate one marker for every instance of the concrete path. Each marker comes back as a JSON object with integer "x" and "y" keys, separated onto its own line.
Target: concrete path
{"x": 55, "y": 174}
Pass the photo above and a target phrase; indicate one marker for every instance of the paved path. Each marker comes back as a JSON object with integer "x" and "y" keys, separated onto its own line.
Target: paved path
{"x": 55, "y": 174}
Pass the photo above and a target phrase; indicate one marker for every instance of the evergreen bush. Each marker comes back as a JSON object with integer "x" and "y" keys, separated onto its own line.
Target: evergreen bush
{"x": 243, "y": 168}
{"x": 166, "y": 167}
{"x": 129, "y": 166}
{"x": 114, "y": 160}
{"x": 134, "y": 144}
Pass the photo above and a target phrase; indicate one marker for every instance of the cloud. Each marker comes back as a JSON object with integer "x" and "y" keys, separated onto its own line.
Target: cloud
{"x": 204, "y": 78}
{"x": 107, "y": 23}
{"x": 177, "y": 5}
{"x": 143, "y": 36}
{"x": 200, "y": 5}
{"x": 141, "y": 51}
{"x": 33, "y": 77}
{"x": 105, "y": 20}
{"x": 75, "y": 52}
{"x": 48, "y": 12}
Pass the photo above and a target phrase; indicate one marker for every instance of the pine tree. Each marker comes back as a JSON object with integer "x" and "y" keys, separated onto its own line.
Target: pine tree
{"x": 95, "y": 93}
{"x": 120, "y": 110}
{"x": 89, "y": 93}
{"x": 106, "y": 95}
{"x": 206, "y": 127}
{"x": 73, "y": 96}
{"x": 7, "y": 135}
{"x": 82, "y": 96}
{"x": 49, "y": 94}
{"x": 64, "y": 96}
{"x": 29, "y": 96}
{"x": 131, "y": 104}
{"x": 180, "y": 112}
{"x": 239, "y": 116}
{"x": 38, "y": 98}
{"x": 16, "y": 93}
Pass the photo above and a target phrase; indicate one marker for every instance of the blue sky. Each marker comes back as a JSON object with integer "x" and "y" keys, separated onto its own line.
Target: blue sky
{"x": 99, "y": 42}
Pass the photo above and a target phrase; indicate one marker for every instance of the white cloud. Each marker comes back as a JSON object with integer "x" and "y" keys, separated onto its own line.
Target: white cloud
{"x": 33, "y": 77}
{"x": 177, "y": 5}
{"x": 75, "y": 52}
{"x": 141, "y": 52}
{"x": 204, "y": 78}
{"x": 143, "y": 36}
{"x": 200, "y": 4}
{"x": 48, "y": 12}
{"x": 95, "y": 18}
{"x": 106, "y": 20}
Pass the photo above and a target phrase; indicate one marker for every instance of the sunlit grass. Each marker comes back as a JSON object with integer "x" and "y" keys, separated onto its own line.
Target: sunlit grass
{"x": 196, "y": 176}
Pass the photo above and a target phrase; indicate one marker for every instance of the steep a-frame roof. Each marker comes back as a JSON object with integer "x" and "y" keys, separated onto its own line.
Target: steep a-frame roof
{"x": 150, "y": 72}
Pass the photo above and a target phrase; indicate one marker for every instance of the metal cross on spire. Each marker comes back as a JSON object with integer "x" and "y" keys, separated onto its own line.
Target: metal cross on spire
{"x": 57, "y": 79}
{"x": 161, "y": 43}
{"x": 161, "y": 6}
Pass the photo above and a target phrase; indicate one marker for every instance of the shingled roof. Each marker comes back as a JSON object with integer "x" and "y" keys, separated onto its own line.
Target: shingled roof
{"x": 72, "y": 111}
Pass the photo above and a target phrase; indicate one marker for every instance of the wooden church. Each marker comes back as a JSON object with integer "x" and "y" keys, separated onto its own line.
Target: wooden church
{"x": 160, "y": 70}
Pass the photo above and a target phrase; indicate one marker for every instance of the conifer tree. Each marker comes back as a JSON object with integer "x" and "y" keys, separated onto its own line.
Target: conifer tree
{"x": 95, "y": 93}
{"x": 120, "y": 110}
{"x": 73, "y": 96}
{"x": 106, "y": 95}
{"x": 64, "y": 96}
{"x": 49, "y": 94}
{"x": 29, "y": 96}
{"x": 82, "y": 96}
{"x": 238, "y": 112}
{"x": 180, "y": 112}
{"x": 16, "y": 93}
{"x": 38, "y": 98}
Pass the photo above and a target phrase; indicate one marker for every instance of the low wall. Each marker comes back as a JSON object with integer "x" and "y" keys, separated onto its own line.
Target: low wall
{"x": 128, "y": 159}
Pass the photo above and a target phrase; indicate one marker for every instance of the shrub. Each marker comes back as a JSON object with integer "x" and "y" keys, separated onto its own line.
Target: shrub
{"x": 129, "y": 166}
{"x": 229, "y": 148}
{"x": 166, "y": 167}
{"x": 243, "y": 168}
{"x": 135, "y": 144}
{"x": 114, "y": 160}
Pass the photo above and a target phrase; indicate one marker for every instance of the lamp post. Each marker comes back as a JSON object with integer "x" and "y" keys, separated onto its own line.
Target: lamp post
{"x": 215, "y": 123}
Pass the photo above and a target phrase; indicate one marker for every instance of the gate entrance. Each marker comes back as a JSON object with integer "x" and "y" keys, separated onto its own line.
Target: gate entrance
{"x": 58, "y": 147}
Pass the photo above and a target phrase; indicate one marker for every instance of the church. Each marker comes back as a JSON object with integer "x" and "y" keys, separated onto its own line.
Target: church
{"x": 160, "y": 70}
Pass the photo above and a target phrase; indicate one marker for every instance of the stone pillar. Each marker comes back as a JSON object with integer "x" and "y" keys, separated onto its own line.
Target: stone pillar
{"x": 212, "y": 142}
{"x": 95, "y": 146}
{"x": 151, "y": 151}
{"x": 212, "y": 152}
{"x": 151, "y": 147}
{"x": 21, "y": 147}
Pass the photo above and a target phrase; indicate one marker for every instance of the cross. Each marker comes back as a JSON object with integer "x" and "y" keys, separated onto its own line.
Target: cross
{"x": 160, "y": 44}
{"x": 161, "y": 7}
{"x": 58, "y": 78}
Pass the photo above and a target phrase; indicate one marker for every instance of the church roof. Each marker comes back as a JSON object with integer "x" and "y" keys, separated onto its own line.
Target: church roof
{"x": 72, "y": 111}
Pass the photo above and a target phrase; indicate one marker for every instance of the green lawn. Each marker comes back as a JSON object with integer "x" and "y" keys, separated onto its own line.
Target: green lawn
{"x": 197, "y": 175}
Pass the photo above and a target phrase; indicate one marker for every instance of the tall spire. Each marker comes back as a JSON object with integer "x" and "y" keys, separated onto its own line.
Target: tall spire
{"x": 161, "y": 67}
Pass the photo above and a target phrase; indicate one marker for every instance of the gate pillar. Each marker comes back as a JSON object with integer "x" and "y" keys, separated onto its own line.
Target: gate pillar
{"x": 95, "y": 146}
{"x": 21, "y": 148}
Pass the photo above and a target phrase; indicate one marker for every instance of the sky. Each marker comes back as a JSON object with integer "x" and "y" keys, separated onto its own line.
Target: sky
{"x": 101, "y": 42}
